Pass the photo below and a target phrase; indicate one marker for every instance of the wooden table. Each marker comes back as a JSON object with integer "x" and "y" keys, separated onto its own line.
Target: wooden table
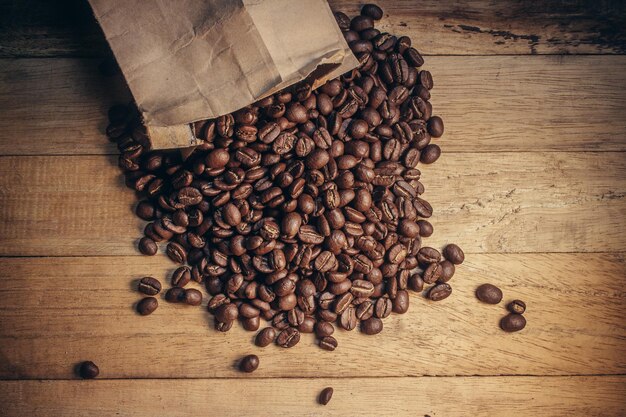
{"x": 532, "y": 184}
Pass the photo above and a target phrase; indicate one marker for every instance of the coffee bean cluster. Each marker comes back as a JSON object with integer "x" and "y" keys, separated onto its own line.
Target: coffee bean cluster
{"x": 512, "y": 322}
{"x": 304, "y": 209}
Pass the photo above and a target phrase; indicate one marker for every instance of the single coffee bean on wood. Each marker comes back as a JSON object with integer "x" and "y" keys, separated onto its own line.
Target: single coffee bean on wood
{"x": 147, "y": 306}
{"x": 328, "y": 343}
{"x": 265, "y": 337}
{"x": 454, "y": 254}
{"x": 512, "y": 322}
{"x": 325, "y": 396}
{"x": 249, "y": 363}
{"x": 149, "y": 286}
{"x": 488, "y": 293}
{"x": 148, "y": 246}
{"x": 517, "y": 306}
{"x": 88, "y": 370}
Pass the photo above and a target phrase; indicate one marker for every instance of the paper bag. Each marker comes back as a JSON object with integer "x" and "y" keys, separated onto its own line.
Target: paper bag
{"x": 190, "y": 60}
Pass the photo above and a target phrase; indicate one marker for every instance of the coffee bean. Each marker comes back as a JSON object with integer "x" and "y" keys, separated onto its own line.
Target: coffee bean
{"x": 425, "y": 228}
{"x": 435, "y": 126}
{"x": 148, "y": 246}
{"x": 325, "y": 395}
{"x": 373, "y": 11}
{"x": 348, "y": 319}
{"x": 372, "y": 326}
{"x": 447, "y": 271}
{"x": 401, "y": 302}
{"x": 360, "y": 23}
{"x": 149, "y": 286}
{"x": 192, "y": 297}
{"x": 265, "y": 337}
{"x": 432, "y": 273}
{"x": 226, "y": 313}
{"x": 413, "y": 57}
{"x": 147, "y": 306}
{"x": 428, "y": 255}
{"x": 288, "y": 338}
{"x": 430, "y": 154}
{"x": 517, "y": 307}
{"x": 176, "y": 252}
{"x": 89, "y": 370}
{"x": 328, "y": 343}
{"x": 488, "y": 293}
{"x": 175, "y": 295}
{"x": 383, "y": 307}
{"x": 181, "y": 276}
{"x": 439, "y": 292}
{"x": 416, "y": 283}
{"x": 454, "y": 254}
{"x": 323, "y": 329}
{"x": 249, "y": 363}
{"x": 512, "y": 322}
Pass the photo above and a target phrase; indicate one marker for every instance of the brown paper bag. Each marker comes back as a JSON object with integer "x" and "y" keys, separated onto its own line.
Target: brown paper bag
{"x": 190, "y": 60}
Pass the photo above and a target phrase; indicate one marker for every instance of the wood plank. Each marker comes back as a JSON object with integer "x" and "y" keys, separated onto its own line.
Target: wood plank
{"x": 488, "y": 104}
{"x": 59, "y": 311}
{"x": 488, "y": 397}
{"x": 67, "y": 27}
{"x": 509, "y": 202}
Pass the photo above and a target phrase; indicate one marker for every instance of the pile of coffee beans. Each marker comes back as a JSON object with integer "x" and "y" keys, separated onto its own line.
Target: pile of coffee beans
{"x": 304, "y": 209}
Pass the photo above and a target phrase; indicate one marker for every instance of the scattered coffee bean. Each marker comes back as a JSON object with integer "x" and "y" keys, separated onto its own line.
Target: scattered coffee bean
{"x": 249, "y": 363}
{"x": 148, "y": 246}
{"x": 488, "y": 293}
{"x": 328, "y": 343}
{"x": 373, "y": 11}
{"x": 439, "y": 292}
{"x": 371, "y": 326}
{"x": 265, "y": 337}
{"x": 89, "y": 370}
{"x": 454, "y": 254}
{"x": 149, "y": 286}
{"x": 288, "y": 338}
{"x": 192, "y": 297}
{"x": 147, "y": 306}
{"x": 517, "y": 307}
{"x": 175, "y": 295}
{"x": 512, "y": 322}
{"x": 325, "y": 396}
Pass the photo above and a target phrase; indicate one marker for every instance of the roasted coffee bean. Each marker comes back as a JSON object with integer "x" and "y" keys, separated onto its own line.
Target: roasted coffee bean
{"x": 430, "y": 154}
{"x": 226, "y": 313}
{"x": 325, "y": 396}
{"x": 401, "y": 302}
{"x": 454, "y": 254}
{"x": 148, "y": 246}
{"x": 517, "y": 307}
{"x": 175, "y": 295}
{"x": 89, "y": 370}
{"x": 176, "y": 253}
{"x": 428, "y": 255}
{"x": 147, "y": 306}
{"x": 447, "y": 271}
{"x": 439, "y": 292}
{"x": 323, "y": 329}
{"x": 348, "y": 318}
{"x": 288, "y": 338}
{"x": 265, "y": 337}
{"x": 365, "y": 310}
{"x": 373, "y": 11}
{"x": 192, "y": 297}
{"x": 415, "y": 283}
{"x": 432, "y": 273}
{"x": 425, "y": 228}
{"x": 328, "y": 343}
{"x": 488, "y": 293}
{"x": 149, "y": 286}
{"x": 383, "y": 307}
{"x": 512, "y": 322}
{"x": 181, "y": 276}
{"x": 372, "y": 326}
{"x": 249, "y": 363}
{"x": 435, "y": 126}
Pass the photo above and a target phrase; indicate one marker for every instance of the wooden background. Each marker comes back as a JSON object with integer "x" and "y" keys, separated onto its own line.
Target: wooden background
{"x": 532, "y": 184}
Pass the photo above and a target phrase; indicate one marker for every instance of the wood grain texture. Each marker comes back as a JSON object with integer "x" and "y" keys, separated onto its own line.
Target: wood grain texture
{"x": 512, "y": 202}
{"x": 488, "y": 104}
{"x": 67, "y": 27}
{"x": 486, "y": 397}
{"x": 59, "y": 311}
